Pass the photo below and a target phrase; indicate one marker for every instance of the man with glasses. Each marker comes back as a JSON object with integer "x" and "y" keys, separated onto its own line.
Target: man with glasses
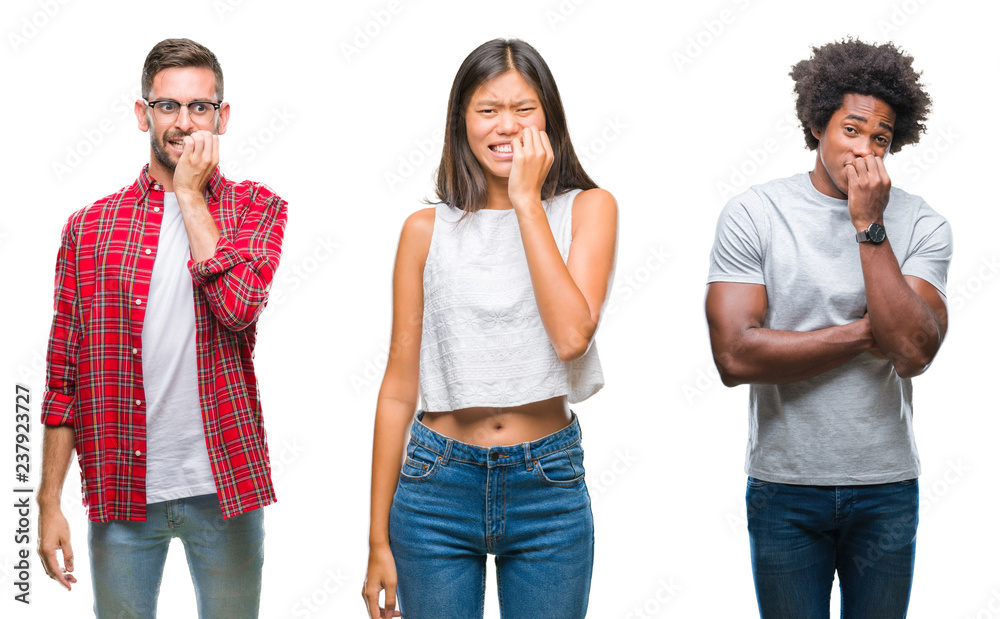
{"x": 150, "y": 362}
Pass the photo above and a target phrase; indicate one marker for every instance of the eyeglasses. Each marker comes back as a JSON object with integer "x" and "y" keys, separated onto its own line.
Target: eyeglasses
{"x": 165, "y": 111}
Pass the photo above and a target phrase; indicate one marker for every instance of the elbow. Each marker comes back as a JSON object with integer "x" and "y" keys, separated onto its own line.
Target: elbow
{"x": 239, "y": 324}
{"x": 241, "y": 316}
{"x": 729, "y": 379}
{"x": 907, "y": 371}
{"x": 576, "y": 345}
{"x": 910, "y": 367}
{"x": 236, "y": 325}
{"x": 913, "y": 357}
{"x": 569, "y": 353}
{"x": 731, "y": 372}
{"x": 237, "y": 297}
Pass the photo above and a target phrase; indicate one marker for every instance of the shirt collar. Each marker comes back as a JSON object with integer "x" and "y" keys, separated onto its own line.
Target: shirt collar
{"x": 213, "y": 189}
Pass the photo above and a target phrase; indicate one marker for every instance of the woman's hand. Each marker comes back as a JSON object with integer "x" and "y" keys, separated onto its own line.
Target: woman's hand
{"x": 532, "y": 159}
{"x": 381, "y": 575}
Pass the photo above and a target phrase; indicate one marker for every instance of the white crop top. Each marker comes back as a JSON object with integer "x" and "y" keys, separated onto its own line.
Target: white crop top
{"x": 483, "y": 342}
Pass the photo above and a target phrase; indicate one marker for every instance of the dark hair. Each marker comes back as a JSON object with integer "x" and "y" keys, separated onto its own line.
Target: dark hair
{"x": 851, "y": 66}
{"x": 171, "y": 53}
{"x": 460, "y": 180}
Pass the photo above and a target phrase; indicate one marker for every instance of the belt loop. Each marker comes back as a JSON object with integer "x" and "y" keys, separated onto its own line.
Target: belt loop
{"x": 447, "y": 452}
{"x": 527, "y": 455}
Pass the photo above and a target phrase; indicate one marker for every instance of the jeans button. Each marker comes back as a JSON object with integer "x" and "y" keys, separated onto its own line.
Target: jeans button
{"x": 494, "y": 456}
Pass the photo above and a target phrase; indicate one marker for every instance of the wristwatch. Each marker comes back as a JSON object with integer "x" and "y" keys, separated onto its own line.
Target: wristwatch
{"x": 875, "y": 233}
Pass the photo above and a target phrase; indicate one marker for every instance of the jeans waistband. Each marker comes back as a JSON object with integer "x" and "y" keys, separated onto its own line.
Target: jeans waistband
{"x": 499, "y": 455}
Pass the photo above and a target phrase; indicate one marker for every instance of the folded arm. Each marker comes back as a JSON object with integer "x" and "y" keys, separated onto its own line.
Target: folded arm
{"x": 908, "y": 315}
{"x": 236, "y": 278}
{"x": 745, "y": 352}
{"x": 570, "y": 295}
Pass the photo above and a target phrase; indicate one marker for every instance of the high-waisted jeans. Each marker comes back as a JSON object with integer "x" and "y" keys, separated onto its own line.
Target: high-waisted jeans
{"x": 526, "y": 504}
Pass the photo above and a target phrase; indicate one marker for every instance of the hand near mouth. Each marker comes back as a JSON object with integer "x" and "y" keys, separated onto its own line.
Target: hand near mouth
{"x": 868, "y": 187}
{"x": 197, "y": 162}
{"x": 531, "y": 162}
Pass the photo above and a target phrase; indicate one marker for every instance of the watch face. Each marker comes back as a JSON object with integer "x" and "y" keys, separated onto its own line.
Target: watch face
{"x": 876, "y": 232}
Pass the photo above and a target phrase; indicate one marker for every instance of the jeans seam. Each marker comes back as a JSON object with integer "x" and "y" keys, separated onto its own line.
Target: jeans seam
{"x": 503, "y": 503}
{"x": 489, "y": 536}
{"x": 572, "y": 464}
{"x": 482, "y": 591}
{"x": 499, "y": 587}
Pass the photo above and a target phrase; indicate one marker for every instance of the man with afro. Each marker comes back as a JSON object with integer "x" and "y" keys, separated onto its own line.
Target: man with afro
{"x": 826, "y": 295}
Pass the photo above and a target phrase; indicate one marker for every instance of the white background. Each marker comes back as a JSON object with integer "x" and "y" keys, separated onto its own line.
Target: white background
{"x": 669, "y": 102}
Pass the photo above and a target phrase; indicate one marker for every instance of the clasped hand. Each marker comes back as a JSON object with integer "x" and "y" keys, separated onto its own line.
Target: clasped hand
{"x": 532, "y": 159}
{"x": 868, "y": 187}
{"x": 197, "y": 162}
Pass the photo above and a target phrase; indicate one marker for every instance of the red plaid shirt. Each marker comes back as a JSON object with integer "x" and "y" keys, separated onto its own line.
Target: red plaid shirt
{"x": 94, "y": 379}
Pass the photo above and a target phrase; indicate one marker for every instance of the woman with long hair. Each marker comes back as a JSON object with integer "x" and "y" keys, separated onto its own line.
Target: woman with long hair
{"x": 497, "y": 294}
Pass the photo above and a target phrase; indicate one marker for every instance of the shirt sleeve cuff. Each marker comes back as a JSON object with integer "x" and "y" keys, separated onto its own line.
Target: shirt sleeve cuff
{"x": 226, "y": 257}
{"x": 57, "y": 409}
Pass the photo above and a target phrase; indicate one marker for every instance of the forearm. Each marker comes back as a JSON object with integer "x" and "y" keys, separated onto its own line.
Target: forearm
{"x": 236, "y": 277}
{"x": 237, "y": 296}
{"x": 568, "y": 319}
{"x": 57, "y": 451}
{"x": 904, "y": 327}
{"x": 203, "y": 233}
{"x": 774, "y": 357}
{"x": 392, "y": 423}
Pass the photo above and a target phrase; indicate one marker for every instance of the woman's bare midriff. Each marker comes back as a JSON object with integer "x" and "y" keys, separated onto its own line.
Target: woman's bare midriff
{"x": 488, "y": 426}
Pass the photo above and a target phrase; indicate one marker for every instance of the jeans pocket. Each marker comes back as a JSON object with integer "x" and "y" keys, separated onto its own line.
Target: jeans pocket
{"x": 562, "y": 469}
{"x": 753, "y": 482}
{"x": 420, "y": 463}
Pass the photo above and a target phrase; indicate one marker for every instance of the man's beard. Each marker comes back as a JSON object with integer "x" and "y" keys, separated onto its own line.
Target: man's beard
{"x": 160, "y": 151}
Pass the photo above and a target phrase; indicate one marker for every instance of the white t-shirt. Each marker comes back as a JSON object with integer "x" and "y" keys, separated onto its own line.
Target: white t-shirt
{"x": 177, "y": 463}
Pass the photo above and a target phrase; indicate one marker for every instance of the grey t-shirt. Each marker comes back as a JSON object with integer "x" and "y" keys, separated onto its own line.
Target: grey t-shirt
{"x": 853, "y": 424}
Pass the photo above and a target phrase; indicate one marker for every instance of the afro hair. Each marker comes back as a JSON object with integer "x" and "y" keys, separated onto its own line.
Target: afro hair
{"x": 851, "y": 66}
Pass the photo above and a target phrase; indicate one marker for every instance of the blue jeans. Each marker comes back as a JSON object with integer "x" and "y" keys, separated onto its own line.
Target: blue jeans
{"x": 526, "y": 504}
{"x": 800, "y": 535}
{"x": 225, "y": 558}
